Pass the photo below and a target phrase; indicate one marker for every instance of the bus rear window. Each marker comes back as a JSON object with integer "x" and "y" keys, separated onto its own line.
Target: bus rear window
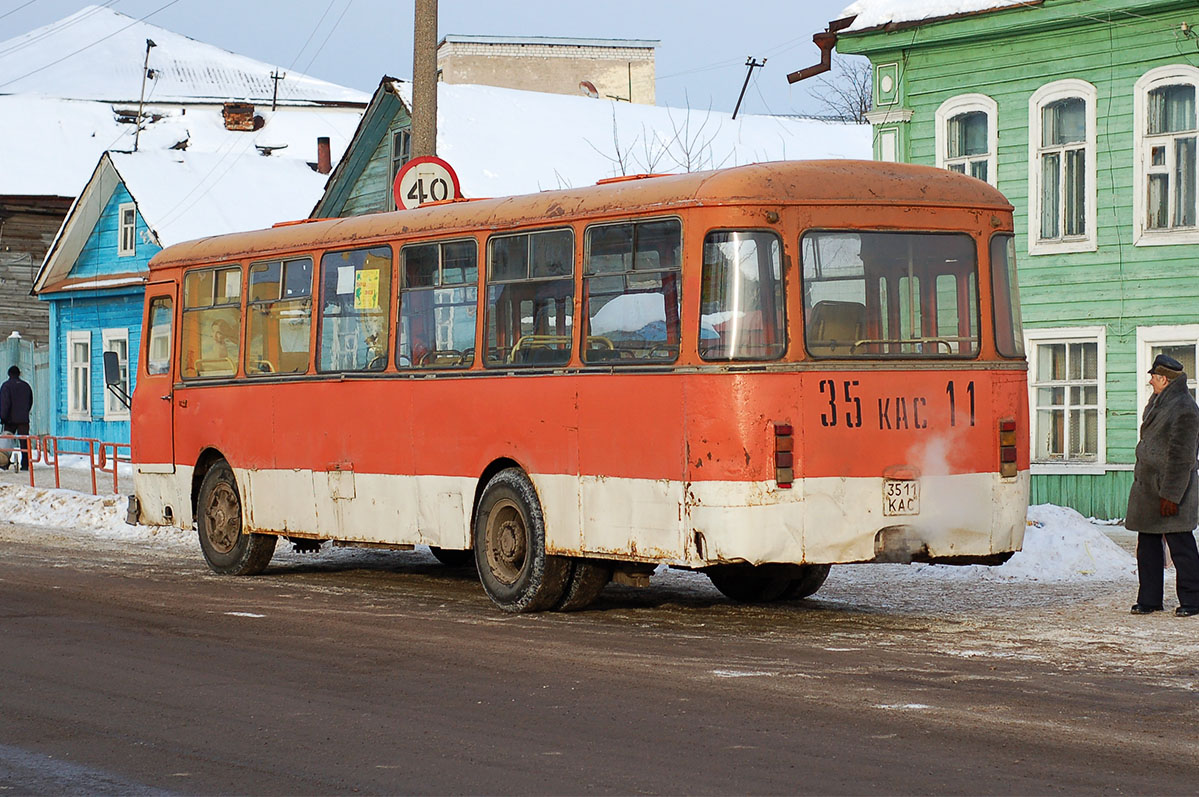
{"x": 1009, "y": 334}
{"x": 890, "y": 294}
{"x": 742, "y": 309}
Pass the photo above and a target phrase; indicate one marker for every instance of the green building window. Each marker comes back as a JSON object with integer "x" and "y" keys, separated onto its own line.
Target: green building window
{"x": 1066, "y": 396}
{"x": 968, "y": 148}
{"x": 1063, "y": 169}
{"x": 1170, "y": 138}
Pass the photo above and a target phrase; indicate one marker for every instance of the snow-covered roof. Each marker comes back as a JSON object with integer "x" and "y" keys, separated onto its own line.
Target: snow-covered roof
{"x": 186, "y": 195}
{"x": 49, "y": 146}
{"x": 549, "y": 41}
{"x": 98, "y": 54}
{"x": 874, "y": 13}
{"x": 506, "y": 141}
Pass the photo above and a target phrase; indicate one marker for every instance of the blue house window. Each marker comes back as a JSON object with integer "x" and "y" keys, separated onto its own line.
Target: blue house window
{"x": 127, "y": 233}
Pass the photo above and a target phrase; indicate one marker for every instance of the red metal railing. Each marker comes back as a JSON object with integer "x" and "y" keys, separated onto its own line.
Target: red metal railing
{"x": 102, "y": 457}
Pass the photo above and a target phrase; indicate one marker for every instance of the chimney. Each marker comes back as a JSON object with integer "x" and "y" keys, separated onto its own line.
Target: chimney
{"x": 240, "y": 116}
{"x": 324, "y": 159}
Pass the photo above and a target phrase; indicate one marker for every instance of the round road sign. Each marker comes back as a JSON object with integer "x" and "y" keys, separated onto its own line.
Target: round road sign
{"x": 424, "y": 180}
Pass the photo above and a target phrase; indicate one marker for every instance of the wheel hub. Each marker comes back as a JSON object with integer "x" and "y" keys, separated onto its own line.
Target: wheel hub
{"x": 506, "y": 541}
{"x": 223, "y": 516}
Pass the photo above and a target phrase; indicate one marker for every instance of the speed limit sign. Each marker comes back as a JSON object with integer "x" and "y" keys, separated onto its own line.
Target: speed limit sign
{"x": 424, "y": 180}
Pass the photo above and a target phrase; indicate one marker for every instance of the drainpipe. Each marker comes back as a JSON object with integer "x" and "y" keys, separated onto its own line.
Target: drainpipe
{"x": 826, "y": 40}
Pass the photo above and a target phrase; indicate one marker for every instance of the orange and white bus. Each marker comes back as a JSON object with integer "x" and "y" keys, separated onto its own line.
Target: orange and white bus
{"x": 754, "y": 372}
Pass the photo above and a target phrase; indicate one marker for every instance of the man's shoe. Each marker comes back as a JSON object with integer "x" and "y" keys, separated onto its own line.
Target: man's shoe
{"x": 1186, "y": 611}
{"x": 1144, "y": 608}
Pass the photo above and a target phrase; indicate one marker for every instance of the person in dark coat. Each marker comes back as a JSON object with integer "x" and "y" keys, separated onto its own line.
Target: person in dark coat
{"x": 16, "y": 402}
{"x": 1164, "y": 500}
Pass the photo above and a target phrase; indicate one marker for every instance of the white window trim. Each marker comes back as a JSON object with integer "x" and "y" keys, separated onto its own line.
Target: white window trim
{"x": 964, "y": 103}
{"x": 1049, "y": 93}
{"x": 114, "y": 410}
{"x": 122, "y": 250}
{"x": 1142, "y": 235}
{"x": 888, "y": 145}
{"x": 1033, "y": 337}
{"x": 78, "y": 336}
{"x": 1147, "y": 338}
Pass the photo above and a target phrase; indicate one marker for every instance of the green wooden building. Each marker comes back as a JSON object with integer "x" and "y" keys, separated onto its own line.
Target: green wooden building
{"x": 1082, "y": 112}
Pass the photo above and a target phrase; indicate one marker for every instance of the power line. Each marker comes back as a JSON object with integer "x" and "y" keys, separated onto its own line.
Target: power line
{"x": 18, "y": 8}
{"x": 89, "y": 46}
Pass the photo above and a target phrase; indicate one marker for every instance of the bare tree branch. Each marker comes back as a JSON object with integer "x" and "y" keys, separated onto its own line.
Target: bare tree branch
{"x": 846, "y": 92}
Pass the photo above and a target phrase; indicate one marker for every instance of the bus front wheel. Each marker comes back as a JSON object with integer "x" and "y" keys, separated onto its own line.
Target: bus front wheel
{"x": 228, "y": 548}
{"x": 509, "y": 542}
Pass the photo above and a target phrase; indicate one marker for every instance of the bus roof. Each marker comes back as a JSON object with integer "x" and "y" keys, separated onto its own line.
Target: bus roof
{"x": 829, "y": 182}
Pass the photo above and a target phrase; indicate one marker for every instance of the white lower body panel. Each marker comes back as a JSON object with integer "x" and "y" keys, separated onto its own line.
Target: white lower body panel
{"x": 819, "y": 520}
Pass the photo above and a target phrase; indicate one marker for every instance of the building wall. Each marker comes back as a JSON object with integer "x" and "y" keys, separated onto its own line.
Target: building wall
{"x": 27, "y": 228}
{"x": 617, "y": 72}
{"x": 99, "y": 255}
{"x": 1118, "y": 286}
{"x": 371, "y": 192}
{"x": 92, "y": 312}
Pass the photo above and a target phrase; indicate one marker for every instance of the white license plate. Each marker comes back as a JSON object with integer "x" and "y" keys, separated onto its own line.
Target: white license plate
{"x": 901, "y": 497}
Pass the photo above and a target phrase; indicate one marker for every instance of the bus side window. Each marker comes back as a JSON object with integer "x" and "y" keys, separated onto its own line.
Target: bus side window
{"x": 355, "y": 291}
{"x": 631, "y": 292}
{"x": 279, "y": 317}
{"x": 438, "y": 305}
{"x": 210, "y": 339}
{"x": 742, "y": 306}
{"x": 530, "y": 298}
{"x": 158, "y": 341}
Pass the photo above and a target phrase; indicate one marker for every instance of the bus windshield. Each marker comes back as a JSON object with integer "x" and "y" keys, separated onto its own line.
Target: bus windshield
{"x": 875, "y": 295}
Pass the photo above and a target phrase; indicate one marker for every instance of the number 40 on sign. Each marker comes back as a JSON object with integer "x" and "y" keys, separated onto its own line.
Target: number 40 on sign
{"x": 424, "y": 180}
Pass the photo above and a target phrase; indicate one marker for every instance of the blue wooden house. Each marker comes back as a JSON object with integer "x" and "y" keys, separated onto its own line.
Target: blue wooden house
{"x": 94, "y": 274}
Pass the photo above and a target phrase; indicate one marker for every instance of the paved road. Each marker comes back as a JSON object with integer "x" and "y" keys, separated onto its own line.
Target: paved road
{"x": 129, "y": 669}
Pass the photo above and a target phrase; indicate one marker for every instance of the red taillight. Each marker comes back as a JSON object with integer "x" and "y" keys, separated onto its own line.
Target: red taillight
{"x": 784, "y": 456}
{"x": 1007, "y": 447}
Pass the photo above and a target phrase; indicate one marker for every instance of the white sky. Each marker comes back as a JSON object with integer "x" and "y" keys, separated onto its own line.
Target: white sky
{"x": 700, "y": 62}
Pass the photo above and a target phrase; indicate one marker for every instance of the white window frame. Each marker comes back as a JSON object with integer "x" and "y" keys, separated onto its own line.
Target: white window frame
{"x": 1044, "y": 96}
{"x": 1163, "y": 335}
{"x": 114, "y": 409}
{"x": 1155, "y": 78}
{"x": 79, "y": 408}
{"x": 888, "y": 145}
{"x": 1038, "y": 337}
{"x": 126, "y": 233}
{"x": 965, "y": 103}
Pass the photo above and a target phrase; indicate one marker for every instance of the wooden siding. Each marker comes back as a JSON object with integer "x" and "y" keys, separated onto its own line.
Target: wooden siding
{"x": 1110, "y": 44}
{"x": 371, "y": 191}
{"x": 99, "y": 255}
{"x": 27, "y": 228}
{"x": 93, "y": 312}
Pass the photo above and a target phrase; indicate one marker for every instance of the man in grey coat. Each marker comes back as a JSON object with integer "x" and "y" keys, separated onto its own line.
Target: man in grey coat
{"x": 1164, "y": 500}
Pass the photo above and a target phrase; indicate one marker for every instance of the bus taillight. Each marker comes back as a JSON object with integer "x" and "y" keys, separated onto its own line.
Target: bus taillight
{"x": 1007, "y": 447}
{"x": 784, "y": 455}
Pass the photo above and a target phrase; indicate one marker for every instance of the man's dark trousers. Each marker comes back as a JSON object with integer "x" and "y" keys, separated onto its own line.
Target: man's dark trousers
{"x": 1151, "y": 560}
{"x": 21, "y": 429}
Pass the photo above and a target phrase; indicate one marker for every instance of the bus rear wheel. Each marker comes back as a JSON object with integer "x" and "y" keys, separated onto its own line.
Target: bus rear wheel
{"x": 452, "y": 557}
{"x": 587, "y": 580}
{"x": 805, "y": 581}
{"x": 746, "y": 583}
{"x": 228, "y": 548}
{"x": 509, "y": 544}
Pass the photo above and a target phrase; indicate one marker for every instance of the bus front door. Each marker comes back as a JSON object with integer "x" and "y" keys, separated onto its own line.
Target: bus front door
{"x": 153, "y": 432}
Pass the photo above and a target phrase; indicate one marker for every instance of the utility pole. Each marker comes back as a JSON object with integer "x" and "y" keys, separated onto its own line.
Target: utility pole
{"x": 276, "y": 76}
{"x": 752, "y": 64}
{"x": 424, "y": 79}
{"x": 137, "y": 133}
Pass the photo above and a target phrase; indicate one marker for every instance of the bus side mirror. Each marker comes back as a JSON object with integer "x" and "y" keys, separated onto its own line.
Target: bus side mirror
{"x": 112, "y": 377}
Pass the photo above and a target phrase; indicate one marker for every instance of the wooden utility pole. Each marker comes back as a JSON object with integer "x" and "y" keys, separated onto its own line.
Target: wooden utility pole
{"x": 424, "y": 79}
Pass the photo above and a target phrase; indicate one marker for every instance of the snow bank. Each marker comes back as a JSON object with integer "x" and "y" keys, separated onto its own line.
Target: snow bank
{"x": 872, "y": 13}
{"x": 1059, "y": 544}
{"x": 101, "y": 516}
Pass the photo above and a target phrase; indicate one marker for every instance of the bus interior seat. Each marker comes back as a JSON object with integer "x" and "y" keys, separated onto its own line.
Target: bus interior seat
{"x": 598, "y": 354}
{"x": 834, "y": 327}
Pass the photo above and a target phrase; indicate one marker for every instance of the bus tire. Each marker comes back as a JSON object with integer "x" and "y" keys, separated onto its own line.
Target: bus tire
{"x": 746, "y": 583}
{"x": 509, "y": 546}
{"x": 227, "y": 548}
{"x": 805, "y": 582}
{"x": 452, "y": 557}
{"x": 588, "y": 578}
